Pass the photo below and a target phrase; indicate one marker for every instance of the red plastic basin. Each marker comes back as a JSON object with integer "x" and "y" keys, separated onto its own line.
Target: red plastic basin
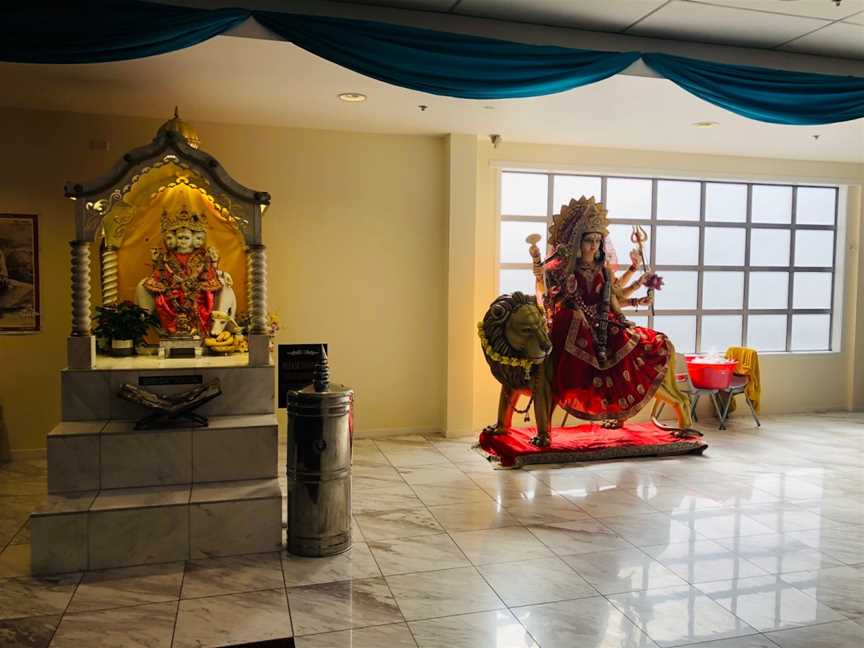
{"x": 710, "y": 375}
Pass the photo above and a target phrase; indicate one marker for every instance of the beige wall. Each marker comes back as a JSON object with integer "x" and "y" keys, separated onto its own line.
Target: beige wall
{"x": 357, "y": 244}
{"x": 792, "y": 383}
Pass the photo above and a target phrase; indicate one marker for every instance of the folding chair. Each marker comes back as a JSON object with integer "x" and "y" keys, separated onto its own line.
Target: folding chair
{"x": 739, "y": 385}
{"x": 682, "y": 378}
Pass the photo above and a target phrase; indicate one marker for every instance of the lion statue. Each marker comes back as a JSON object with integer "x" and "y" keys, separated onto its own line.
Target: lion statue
{"x": 517, "y": 347}
{"x": 516, "y": 344}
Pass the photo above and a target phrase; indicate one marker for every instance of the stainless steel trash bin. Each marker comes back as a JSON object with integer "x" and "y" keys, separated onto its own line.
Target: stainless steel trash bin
{"x": 319, "y": 469}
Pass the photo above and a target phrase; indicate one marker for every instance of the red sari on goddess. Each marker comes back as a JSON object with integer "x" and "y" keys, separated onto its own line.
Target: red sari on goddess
{"x": 586, "y": 385}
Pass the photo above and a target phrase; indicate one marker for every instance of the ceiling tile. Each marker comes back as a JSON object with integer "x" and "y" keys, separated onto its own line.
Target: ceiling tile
{"x": 420, "y": 5}
{"x": 812, "y": 8}
{"x": 840, "y": 39}
{"x": 711, "y": 24}
{"x": 586, "y": 14}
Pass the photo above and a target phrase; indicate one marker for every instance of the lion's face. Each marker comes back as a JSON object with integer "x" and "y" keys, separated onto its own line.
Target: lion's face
{"x": 526, "y": 332}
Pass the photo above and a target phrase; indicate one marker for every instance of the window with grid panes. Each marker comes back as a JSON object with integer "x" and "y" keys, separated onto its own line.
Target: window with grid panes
{"x": 744, "y": 263}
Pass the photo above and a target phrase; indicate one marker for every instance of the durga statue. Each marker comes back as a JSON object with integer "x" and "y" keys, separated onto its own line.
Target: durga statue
{"x": 572, "y": 345}
{"x": 186, "y": 284}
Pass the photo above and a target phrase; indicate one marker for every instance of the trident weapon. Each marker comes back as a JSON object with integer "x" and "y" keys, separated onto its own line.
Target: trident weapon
{"x": 639, "y": 236}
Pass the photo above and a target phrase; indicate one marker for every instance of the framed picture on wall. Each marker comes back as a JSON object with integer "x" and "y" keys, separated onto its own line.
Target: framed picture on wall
{"x": 19, "y": 273}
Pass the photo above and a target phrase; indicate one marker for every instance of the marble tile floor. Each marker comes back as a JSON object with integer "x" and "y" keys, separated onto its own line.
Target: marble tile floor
{"x": 757, "y": 544}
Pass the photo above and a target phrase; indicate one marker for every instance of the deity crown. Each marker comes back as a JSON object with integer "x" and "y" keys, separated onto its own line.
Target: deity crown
{"x": 577, "y": 218}
{"x": 183, "y": 218}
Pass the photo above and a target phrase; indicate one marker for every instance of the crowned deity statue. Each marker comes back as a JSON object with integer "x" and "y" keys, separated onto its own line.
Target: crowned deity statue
{"x": 605, "y": 368}
{"x": 185, "y": 278}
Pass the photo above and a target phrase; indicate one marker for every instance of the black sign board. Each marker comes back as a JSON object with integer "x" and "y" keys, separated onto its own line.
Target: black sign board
{"x": 188, "y": 379}
{"x": 296, "y": 364}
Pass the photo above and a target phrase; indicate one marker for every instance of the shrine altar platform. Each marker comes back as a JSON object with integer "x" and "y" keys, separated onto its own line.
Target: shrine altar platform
{"x": 589, "y": 442}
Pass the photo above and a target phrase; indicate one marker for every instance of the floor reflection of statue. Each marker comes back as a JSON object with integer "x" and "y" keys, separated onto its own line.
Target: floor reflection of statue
{"x": 184, "y": 279}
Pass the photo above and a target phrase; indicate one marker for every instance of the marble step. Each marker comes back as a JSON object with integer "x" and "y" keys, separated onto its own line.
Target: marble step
{"x": 92, "y": 394}
{"x": 94, "y": 455}
{"x": 135, "y": 526}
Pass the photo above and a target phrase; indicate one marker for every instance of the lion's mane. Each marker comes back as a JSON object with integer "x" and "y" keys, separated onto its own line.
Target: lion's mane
{"x": 494, "y": 323}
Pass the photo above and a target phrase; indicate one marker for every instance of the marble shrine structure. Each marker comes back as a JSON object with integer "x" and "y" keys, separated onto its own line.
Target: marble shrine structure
{"x": 120, "y": 496}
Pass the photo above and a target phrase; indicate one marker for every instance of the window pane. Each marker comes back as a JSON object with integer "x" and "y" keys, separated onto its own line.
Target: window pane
{"x": 812, "y": 290}
{"x": 768, "y": 290}
{"x": 620, "y": 237}
{"x": 514, "y": 249}
{"x": 677, "y": 245}
{"x": 814, "y": 248}
{"x": 678, "y": 200}
{"x": 513, "y": 280}
{"x": 766, "y": 332}
{"x": 772, "y": 204}
{"x": 769, "y": 247}
{"x": 628, "y": 198}
{"x": 681, "y": 329}
{"x": 719, "y": 332}
{"x": 723, "y": 290}
{"x": 815, "y": 205}
{"x": 810, "y": 332}
{"x": 679, "y": 291}
{"x": 567, "y": 187}
{"x": 724, "y": 246}
{"x": 725, "y": 202}
{"x": 523, "y": 194}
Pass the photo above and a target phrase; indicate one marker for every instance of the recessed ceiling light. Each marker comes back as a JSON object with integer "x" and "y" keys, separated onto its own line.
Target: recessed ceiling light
{"x": 352, "y": 97}
{"x": 705, "y": 124}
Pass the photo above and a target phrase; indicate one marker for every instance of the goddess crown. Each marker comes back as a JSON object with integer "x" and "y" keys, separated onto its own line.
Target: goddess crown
{"x": 576, "y": 219}
{"x": 183, "y": 218}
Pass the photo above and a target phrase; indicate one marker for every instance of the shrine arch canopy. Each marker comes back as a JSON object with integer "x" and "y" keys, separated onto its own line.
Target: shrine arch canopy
{"x": 105, "y": 205}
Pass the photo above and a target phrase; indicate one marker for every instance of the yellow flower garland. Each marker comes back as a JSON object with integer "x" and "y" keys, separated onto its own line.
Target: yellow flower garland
{"x": 525, "y": 363}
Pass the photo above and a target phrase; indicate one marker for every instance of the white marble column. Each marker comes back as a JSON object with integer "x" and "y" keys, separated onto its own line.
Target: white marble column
{"x": 109, "y": 275}
{"x": 81, "y": 347}
{"x": 259, "y": 340}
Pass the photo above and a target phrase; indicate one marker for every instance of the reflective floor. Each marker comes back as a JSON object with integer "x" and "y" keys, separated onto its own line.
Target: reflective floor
{"x": 757, "y": 544}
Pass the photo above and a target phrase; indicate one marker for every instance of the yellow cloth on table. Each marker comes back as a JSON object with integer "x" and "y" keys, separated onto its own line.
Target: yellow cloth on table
{"x": 748, "y": 365}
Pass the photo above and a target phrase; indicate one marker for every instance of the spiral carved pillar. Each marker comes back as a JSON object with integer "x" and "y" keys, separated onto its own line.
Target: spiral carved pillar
{"x": 109, "y": 275}
{"x": 257, "y": 269}
{"x": 80, "y": 287}
{"x": 259, "y": 340}
{"x": 81, "y": 348}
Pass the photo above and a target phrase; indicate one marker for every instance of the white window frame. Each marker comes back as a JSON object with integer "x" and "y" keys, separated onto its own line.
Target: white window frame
{"x": 837, "y": 228}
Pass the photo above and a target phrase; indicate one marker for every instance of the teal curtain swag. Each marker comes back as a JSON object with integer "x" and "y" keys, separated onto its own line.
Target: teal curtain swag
{"x": 775, "y": 96}
{"x": 447, "y": 64}
{"x": 441, "y": 63}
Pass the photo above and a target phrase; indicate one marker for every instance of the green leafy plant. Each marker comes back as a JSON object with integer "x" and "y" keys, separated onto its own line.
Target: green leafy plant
{"x": 124, "y": 321}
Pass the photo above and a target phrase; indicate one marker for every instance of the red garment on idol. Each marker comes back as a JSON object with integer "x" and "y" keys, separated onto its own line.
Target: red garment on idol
{"x": 183, "y": 285}
{"x": 636, "y": 357}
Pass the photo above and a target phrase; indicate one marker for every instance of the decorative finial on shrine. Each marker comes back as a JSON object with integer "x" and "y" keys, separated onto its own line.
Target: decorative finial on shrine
{"x": 182, "y": 128}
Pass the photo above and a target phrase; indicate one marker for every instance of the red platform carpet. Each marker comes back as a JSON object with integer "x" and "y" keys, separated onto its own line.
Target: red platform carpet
{"x": 590, "y": 442}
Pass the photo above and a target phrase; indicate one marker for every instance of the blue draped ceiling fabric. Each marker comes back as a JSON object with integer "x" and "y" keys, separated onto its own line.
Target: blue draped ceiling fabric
{"x": 98, "y": 31}
{"x": 454, "y": 65}
{"x": 447, "y": 64}
{"x": 778, "y": 97}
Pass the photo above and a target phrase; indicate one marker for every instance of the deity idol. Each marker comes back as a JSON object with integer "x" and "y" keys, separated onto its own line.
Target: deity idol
{"x": 184, "y": 277}
{"x": 605, "y": 367}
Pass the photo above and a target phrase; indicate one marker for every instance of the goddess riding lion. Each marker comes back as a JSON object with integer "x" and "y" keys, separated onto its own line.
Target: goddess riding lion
{"x": 579, "y": 352}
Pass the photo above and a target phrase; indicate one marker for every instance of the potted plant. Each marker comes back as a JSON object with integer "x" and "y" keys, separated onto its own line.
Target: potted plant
{"x": 125, "y": 324}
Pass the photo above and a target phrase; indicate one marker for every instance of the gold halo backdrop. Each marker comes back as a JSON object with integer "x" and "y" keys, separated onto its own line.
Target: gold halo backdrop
{"x": 143, "y": 233}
